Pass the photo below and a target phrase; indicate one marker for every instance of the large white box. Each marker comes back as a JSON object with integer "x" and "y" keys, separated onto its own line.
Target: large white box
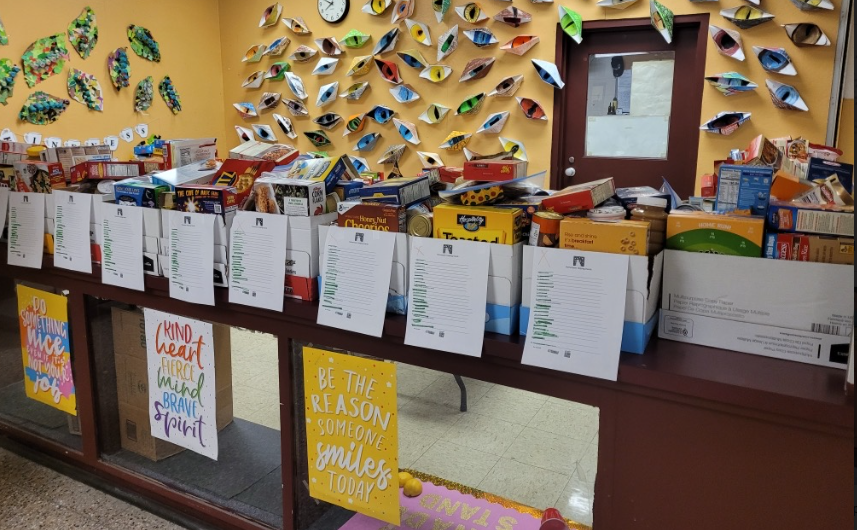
{"x": 503, "y": 303}
{"x": 303, "y": 253}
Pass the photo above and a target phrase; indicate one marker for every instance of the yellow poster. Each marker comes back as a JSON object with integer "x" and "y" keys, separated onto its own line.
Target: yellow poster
{"x": 43, "y": 319}
{"x": 352, "y": 432}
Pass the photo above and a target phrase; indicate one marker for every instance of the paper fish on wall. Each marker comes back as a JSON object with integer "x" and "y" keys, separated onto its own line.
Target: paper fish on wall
{"x": 144, "y": 94}
{"x": 244, "y": 134}
{"x": 806, "y": 34}
{"x": 507, "y": 87}
{"x": 85, "y": 89}
{"x": 354, "y": 124}
{"x": 571, "y": 23}
{"x": 389, "y": 71}
{"x": 143, "y": 43}
{"x": 520, "y": 44}
{"x": 296, "y": 85}
{"x": 456, "y": 141}
{"x": 246, "y": 109}
{"x": 254, "y": 54}
{"x": 436, "y": 72}
{"x": 325, "y": 66}
{"x": 169, "y": 94}
{"x": 662, "y": 19}
{"x": 83, "y": 32}
{"x": 387, "y": 42}
{"x": 367, "y": 142}
{"x": 318, "y": 138}
{"x": 447, "y": 43}
{"x": 514, "y": 148}
{"x": 476, "y": 69}
{"x": 513, "y": 16}
{"x": 430, "y": 159}
{"x": 381, "y": 114}
{"x": 285, "y": 125}
{"x": 725, "y": 123}
{"x": 4, "y": 36}
{"x": 296, "y": 107}
{"x": 470, "y": 105}
{"x": 297, "y": 25}
{"x": 419, "y": 32}
{"x": 254, "y": 80}
{"x": 117, "y": 64}
{"x": 376, "y": 7}
{"x": 472, "y": 13}
{"x": 327, "y": 94}
{"x": 729, "y": 83}
{"x": 615, "y": 4}
{"x": 440, "y": 8}
{"x": 407, "y": 130}
{"x": 548, "y": 73}
{"x": 271, "y": 15}
{"x": 355, "y": 91}
{"x": 775, "y": 60}
{"x": 404, "y": 93}
{"x": 277, "y": 47}
{"x": 355, "y": 39}
{"x": 328, "y": 120}
{"x": 403, "y": 10}
{"x": 532, "y": 109}
{"x": 269, "y": 100}
{"x": 302, "y": 54}
{"x": 264, "y": 132}
{"x": 44, "y": 58}
{"x": 727, "y": 42}
{"x": 41, "y": 108}
{"x": 329, "y": 46}
{"x": 413, "y": 58}
{"x": 360, "y": 65}
{"x": 360, "y": 164}
{"x": 8, "y": 72}
{"x": 277, "y": 71}
{"x": 785, "y": 96}
{"x": 434, "y": 113}
{"x": 746, "y": 17}
{"x": 812, "y": 5}
{"x": 392, "y": 155}
{"x": 494, "y": 124}
{"x": 481, "y": 37}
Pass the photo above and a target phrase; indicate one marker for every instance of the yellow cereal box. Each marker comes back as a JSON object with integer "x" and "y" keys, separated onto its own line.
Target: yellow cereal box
{"x": 478, "y": 223}
{"x": 618, "y": 237}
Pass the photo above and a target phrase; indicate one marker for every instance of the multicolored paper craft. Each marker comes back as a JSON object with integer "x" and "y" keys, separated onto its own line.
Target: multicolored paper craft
{"x": 476, "y": 69}
{"x": 520, "y": 44}
{"x": 387, "y": 42}
{"x": 730, "y": 83}
{"x": 296, "y": 85}
{"x": 144, "y": 94}
{"x": 494, "y": 124}
{"x": 662, "y": 19}
{"x": 244, "y": 134}
{"x": 725, "y": 123}
{"x": 403, "y": 10}
{"x": 264, "y": 132}
{"x": 355, "y": 39}
{"x": 296, "y": 107}
{"x": 428, "y": 160}
{"x": 376, "y": 7}
{"x": 328, "y": 120}
{"x": 436, "y": 72}
{"x": 83, "y": 32}
{"x": 318, "y": 138}
{"x": 302, "y": 54}
{"x": 8, "y": 72}
{"x": 548, "y": 73}
{"x": 746, "y": 17}
{"x": 615, "y": 4}
{"x": 481, "y": 37}
{"x": 812, "y": 5}
{"x": 119, "y": 68}
{"x": 254, "y": 53}
{"x": 327, "y": 94}
{"x": 507, "y": 87}
{"x": 269, "y": 100}
{"x": 143, "y": 43}
{"x": 775, "y": 60}
{"x": 170, "y": 95}
{"x": 271, "y": 15}
{"x": 514, "y": 148}
{"x": 456, "y": 141}
{"x": 355, "y": 91}
{"x": 806, "y": 34}
{"x": 447, "y": 43}
{"x": 360, "y": 65}
{"x": 254, "y": 80}
{"x": 297, "y": 25}
{"x": 434, "y": 113}
{"x": 354, "y": 124}
{"x": 277, "y": 46}
{"x": 571, "y": 23}
{"x": 440, "y": 8}
{"x": 419, "y": 32}
{"x": 512, "y": 16}
{"x": 381, "y": 114}
{"x": 413, "y": 58}
{"x": 85, "y": 89}
{"x": 471, "y": 13}
{"x": 4, "y": 37}
{"x": 360, "y": 164}
{"x": 367, "y": 142}
{"x": 532, "y": 109}
{"x": 727, "y": 42}
{"x": 389, "y": 71}
{"x": 277, "y": 71}
{"x": 404, "y": 93}
{"x": 325, "y": 66}
{"x": 470, "y": 105}
{"x": 246, "y": 109}
{"x": 285, "y": 125}
{"x": 44, "y": 58}
{"x": 329, "y": 46}
{"x": 785, "y": 96}
{"x": 392, "y": 155}
{"x": 41, "y": 108}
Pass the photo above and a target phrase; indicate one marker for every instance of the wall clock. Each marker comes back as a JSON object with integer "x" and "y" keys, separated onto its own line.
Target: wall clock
{"x": 333, "y": 11}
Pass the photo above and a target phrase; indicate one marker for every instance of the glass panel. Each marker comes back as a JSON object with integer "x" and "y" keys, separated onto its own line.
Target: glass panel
{"x": 509, "y": 448}
{"x": 15, "y": 407}
{"x": 247, "y": 476}
{"x": 628, "y": 102}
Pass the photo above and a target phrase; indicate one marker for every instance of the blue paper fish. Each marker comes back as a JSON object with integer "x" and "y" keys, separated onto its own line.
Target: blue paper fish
{"x": 548, "y": 73}
{"x": 367, "y": 142}
{"x": 775, "y": 60}
{"x": 413, "y": 58}
{"x": 359, "y": 163}
{"x": 327, "y": 94}
{"x": 387, "y": 42}
{"x": 381, "y": 114}
{"x": 404, "y": 94}
{"x": 481, "y": 37}
{"x": 407, "y": 130}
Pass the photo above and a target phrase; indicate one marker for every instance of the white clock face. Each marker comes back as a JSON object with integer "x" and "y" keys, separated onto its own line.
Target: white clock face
{"x": 332, "y": 10}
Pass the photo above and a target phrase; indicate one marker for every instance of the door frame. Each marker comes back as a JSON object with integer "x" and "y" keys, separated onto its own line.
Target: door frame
{"x": 563, "y": 48}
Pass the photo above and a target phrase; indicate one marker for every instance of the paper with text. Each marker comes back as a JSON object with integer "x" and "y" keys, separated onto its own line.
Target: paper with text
{"x": 577, "y": 311}
{"x": 257, "y": 259}
{"x": 122, "y": 246}
{"x": 192, "y": 257}
{"x": 26, "y": 229}
{"x": 72, "y": 212}
{"x": 448, "y": 290}
{"x": 4, "y": 208}
{"x": 355, "y": 279}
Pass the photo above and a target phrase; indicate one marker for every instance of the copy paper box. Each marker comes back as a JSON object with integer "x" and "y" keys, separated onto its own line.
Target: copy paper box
{"x": 489, "y": 224}
{"x": 503, "y": 300}
{"x": 620, "y": 237}
{"x": 152, "y": 223}
{"x": 494, "y": 170}
{"x": 811, "y": 218}
{"x": 580, "y": 196}
{"x": 713, "y": 233}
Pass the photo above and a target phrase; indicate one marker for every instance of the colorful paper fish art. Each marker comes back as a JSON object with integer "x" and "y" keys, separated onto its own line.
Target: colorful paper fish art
{"x": 355, "y": 91}
{"x": 725, "y": 123}
{"x": 407, "y": 130}
{"x": 785, "y": 96}
{"x": 746, "y": 17}
{"x": 355, "y": 39}
{"x": 434, "y": 113}
{"x": 507, "y": 87}
{"x": 512, "y": 16}
{"x": 367, "y": 142}
{"x": 494, "y": 124}
{"x": 471, "y": 13}
{"x": 389, "y": 71}
{"x": 419, "y": 32}
{"x": 403, "y": 10}
{"x": 470, "y": 105}
{"x": 662, "y": 19}
{"x": 806, "y": 34}
{"x": 456, "y": 141}
{"x": 548, "y": 73}
{"x": 571, "y": 23}
{"x": 727, "y": 42}
{"x": 532, "y": 109}
{"x": 520, "y": 44}
{"x": 436, "y": 72}
{"x": 448, "y": 43}
{"x": 413, "y": 58}
{"x": 775, "y": 60}
{"x": 730, "y": 83}
{"x": 476, "y": 69}
{"x": 428, "y": 160}
{"x": 481, "y": 37}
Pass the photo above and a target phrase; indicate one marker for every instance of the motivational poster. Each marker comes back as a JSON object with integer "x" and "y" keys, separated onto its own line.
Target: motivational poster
{"x": 352, "y": 433}
{"x": 182, "y": 407}
{"x": 43, "y": 319}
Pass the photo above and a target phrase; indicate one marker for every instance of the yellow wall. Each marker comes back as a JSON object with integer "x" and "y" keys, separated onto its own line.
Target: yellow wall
{"x": 189, "y": 35}
{"x": 240, "y": 21}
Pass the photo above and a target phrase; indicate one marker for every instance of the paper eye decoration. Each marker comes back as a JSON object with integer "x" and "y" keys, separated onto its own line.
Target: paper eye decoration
{"x": 403, "y": 10}
{"x": 381, "y": 114}
{"x": 507, "y": 87}
{"x": 662, "y": 20}
{"x": 727, "y": 42}
{"x": 520, "y": 44}
{"x": 355, "y": 39}
{"x": 246, "y": 109}
{"x": 812, "y": 5}
{"x": 254, "y": 54}
{"x": 785, "y": 96}
{"x": 456, "y": 141}
{"x": 392, "y": 155}
{"x": 615, "y": 4}
{"x": 4, "y": 37}
{"x": 512, "y": 16}
{"x": 472, "y": 13}
{"x": 360, "y": 164}
{"x": 355, "y": 91}
{"x": 387, "y": 42}
{"x": 367, "y": 142}
{"x": 297, "y": 25}
{"x": 277, "y": 71}
{"x": 8, "y": 72}
{"x": 168, "y": 94}
{"x": 447, "y": 43}
{"x": 494, "y": 124}
{"x": 548, "y": 73}
{"x": 355, "y": 124}
{"x": 83, "y": 32}
{"x": 144, "y": 94}
{"x": 376, "y": 7}
{"x": 302, "y": 54}
{"x": 746, "y": 17}
{"x": 328, "y": 120}
{"x": 428, "y": 160}
{"x": 318, "y": 138}
{"x": 407, "y": 130}
{"x": 389, "y": 71}
{"x": 481, "y": 37}
{"x": 404, "y": 93}
{"x": 729, "y": 83}
{"x": 117, "y": 64}
{"x": 327, "y": 94}
{"x": 436, "y": 73}
{"x": 413, "y": 58}
{"x": 41, "y": 108}
{"x": 244, "y": 134}
{"x": 476, "y": 69}
{"x": 264, "y": 132}
{"x": 775, "y": 60}
{"x": 470, "y": 105}
{"x": 434, "y": 113}
{"x": 571, "y": 23}
{"x": 725, "y": 123}
{"x": 329, "y": 46}
{"x": 296, "y": 85}
{"x": 325, "y": 66}
{"x": 44, "y": 58}
{"x": 360, "y": 65}
{"x": 440, "y": 8}
{"x": 277, "y": 47}
{"x": 254, "y": 80}
{"x": 532, "y": 109}
{"x": 296, "y": 107}
{"x": 419, "y": 32}
{"x": 806, "y": 34}
{"x": 470, "y": 155}
{"x": 514, "y": 148}
{"x": 285, "y": 125}
{"x": 269, "y": 100}
{"x": 271, "y": 15}
{"x": 143, "y": 43}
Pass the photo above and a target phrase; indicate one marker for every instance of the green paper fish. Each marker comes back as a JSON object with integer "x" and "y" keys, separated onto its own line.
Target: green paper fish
{"x": 571, "y": 23}
{"x": 355, "y": 39}
{"x": 471, "y": 104}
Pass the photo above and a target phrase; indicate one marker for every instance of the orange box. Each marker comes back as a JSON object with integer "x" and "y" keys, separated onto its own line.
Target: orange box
{"x": 786, "y": 186}
{"x": 619, "y": 237}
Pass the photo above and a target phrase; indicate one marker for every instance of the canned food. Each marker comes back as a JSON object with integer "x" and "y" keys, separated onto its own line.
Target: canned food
{"x": 544, "y": 230}
{"x": 420, "y": 224}
{"x": 332, "y": 202}
{"x": 607, "y": 213}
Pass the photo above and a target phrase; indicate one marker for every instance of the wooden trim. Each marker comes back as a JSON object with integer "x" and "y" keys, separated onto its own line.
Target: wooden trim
{"x": 84, "y": 392}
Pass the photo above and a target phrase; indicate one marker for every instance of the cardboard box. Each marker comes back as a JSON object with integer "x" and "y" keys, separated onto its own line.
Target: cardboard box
{"x": 274, "y": 193}
{"x": 106, "y": 171}
{"x": 813, "y": 248}
{"x": 327, "y": 170}
{"x": 38, "y": 177}
{"x": 503, "y": 301}
{"x": 302, "y": 244}
{"x": 65, "y": 155}
{"x": 301, "y": 288}
{"x": 820, "y": 169}
{"x": 400, "y": 191}
{"x": 489, "y": 224}
{"x": 762, "y": 152}
{"x": 745, "y": 188}
{"x": 152, "y": 223}
{"x": 134, "y": 192}
{"x": 713, "y": 233}
{"x": 348, "y": 190}
{"x": 619, "y": 237}
{"x": 811, "y": 218}
{"x": 494, "y": 170}
{"x": 580, "y": 196}
{"x": 178, "y": 153}
{"x": 196, "y": 173}
{"x": 372, "y": 216}
{"x": 529, "y": 205}
{"x": 786, "y": 186}
{"x": 206, "y": 199}
{"x": 628, "y": 196}
{"x": 241, "y": 174}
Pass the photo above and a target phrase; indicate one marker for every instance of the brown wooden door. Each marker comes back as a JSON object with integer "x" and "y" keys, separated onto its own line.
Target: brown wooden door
{"x": 630, "y": 36}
